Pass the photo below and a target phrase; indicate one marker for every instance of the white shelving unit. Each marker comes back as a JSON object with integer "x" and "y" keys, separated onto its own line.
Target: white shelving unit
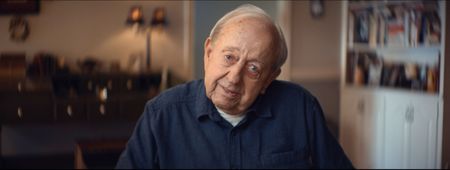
{"x": 392, "y": 91}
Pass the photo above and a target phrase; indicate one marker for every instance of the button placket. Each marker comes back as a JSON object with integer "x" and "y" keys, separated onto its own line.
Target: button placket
{"x": 235, "y": 149}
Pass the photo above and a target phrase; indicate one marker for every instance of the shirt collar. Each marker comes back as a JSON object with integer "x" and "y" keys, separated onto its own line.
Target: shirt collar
{"x": 260, "y": 108}
{"x": 204, "y": 106}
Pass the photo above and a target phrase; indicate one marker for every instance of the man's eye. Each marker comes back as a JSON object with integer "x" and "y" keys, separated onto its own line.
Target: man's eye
{"x": 253, "y": 68}
{"x": 228, "y": 58}
{"x": 253, "y": 71}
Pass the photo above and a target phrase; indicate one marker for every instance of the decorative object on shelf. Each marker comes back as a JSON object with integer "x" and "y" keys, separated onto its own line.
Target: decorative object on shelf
{"x": 372, "y": 69}
{"x": 405, "y": 24}
{"x": 44, "y": 64}
{"x": 316, "y": 8}
{"x": 89, "y": 65}
{"x": 158, "y": 20}
{"x": 19, "y": 29}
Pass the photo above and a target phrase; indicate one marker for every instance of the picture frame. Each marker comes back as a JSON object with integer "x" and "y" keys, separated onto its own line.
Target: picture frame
{"x": 19, "y": 7}
{"x": 316, "y": 8}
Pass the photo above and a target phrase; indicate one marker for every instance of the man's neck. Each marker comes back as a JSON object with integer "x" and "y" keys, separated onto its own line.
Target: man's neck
{"x": 234, "y": 119}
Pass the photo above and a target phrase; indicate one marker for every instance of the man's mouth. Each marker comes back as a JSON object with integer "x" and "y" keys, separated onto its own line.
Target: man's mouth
{"x": 230, "y": 93}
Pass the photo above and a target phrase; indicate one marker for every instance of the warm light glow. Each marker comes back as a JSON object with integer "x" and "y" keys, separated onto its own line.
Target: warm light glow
{"x": 136, "y": 15}
{"x": 159, "y": 16}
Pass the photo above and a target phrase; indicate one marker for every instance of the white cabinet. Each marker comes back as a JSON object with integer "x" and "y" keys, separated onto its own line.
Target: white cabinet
{"x": 411, "y": 131}
{"x": 389, "y": 129}
{"x": 360, "y": 131}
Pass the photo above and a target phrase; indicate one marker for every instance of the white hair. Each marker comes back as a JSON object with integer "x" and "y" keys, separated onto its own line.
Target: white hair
{"x": 248, "y": 10}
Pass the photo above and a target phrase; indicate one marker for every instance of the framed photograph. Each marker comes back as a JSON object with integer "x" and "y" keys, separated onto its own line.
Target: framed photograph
{"x": 316, "y": 8}
{"x": 19, "y": 7}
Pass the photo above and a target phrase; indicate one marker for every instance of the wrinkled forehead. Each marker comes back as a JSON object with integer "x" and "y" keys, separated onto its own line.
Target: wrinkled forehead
{"x": 252, "y": 31}
{"x": 254, "y": 22}
{"x": 247, "y": 25}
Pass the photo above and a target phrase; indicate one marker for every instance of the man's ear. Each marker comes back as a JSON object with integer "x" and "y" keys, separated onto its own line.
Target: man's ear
{"x": 207, "y": 51}
{"x": 271, "y": 78}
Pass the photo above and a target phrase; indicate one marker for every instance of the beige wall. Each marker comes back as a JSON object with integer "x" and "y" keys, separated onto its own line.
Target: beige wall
{"x": 316, "y": 42}
{"x": 315, "y": 55}
{"x": 76, "y": 29}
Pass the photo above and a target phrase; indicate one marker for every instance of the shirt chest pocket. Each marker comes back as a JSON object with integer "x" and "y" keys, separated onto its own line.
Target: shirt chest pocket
{"x": 291, "y": 159}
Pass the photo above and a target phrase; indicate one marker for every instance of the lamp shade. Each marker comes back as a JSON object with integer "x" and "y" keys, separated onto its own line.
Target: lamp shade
{"x": 159, "y": 17}
{"x": 135, "y": 15}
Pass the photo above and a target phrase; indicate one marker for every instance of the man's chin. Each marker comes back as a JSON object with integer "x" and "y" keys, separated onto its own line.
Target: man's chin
{"x": 224, "y": 105}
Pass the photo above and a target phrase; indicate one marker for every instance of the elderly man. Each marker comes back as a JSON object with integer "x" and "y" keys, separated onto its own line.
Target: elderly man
{"x": 239, "y": 116}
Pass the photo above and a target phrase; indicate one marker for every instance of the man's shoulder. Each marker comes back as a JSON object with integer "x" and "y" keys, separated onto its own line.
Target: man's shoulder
{"x": 178, "y": 94}
{"x": 287, "y": 88}
{"x": 183, "y": 91}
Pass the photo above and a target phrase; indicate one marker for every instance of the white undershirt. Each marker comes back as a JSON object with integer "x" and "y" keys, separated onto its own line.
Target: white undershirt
{"x": 233, "y": 119}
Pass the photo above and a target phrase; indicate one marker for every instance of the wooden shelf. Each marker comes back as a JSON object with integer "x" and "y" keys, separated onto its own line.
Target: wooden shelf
{"x": 367, "y": 47}
{"x": 385, "y": 89}
{"x": 360, "y": 5}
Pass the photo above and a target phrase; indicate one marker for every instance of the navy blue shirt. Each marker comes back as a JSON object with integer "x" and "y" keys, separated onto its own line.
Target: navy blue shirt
{"x": 284, "y": 128}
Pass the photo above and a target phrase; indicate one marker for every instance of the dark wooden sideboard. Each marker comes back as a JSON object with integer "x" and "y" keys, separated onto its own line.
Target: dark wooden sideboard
{"x": 75, "y": 98}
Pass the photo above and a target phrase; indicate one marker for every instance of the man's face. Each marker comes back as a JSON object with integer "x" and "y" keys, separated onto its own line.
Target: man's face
{"x": 238, "y": 64}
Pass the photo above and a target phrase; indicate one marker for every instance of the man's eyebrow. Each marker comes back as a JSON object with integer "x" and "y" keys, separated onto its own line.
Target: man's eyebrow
{"x": 230, "y": 48}
{"x": 258, "y": 62}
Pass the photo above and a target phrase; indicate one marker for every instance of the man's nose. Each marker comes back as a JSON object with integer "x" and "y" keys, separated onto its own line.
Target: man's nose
{"x": 235, "y": 74}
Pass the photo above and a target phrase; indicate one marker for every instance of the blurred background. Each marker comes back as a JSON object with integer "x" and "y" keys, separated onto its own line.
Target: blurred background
{"x": 75, "y": 75}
